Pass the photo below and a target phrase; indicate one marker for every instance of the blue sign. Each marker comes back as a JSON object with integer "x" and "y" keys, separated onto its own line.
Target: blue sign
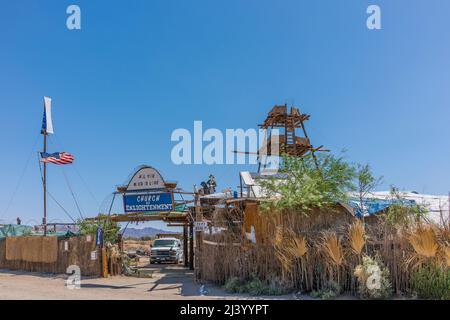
{"x": 148, "y": 202}
{"x": 99, "y": 239}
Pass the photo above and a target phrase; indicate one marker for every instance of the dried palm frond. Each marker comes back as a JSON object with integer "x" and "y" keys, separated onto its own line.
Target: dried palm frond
{"x": 297, "y": 247}
{"x": 424, "y": 242}
{"x": 331, "y": 246}
{"x": 356, "y": 236}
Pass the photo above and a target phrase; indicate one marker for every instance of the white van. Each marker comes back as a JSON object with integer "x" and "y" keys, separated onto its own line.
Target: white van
{"x": 166, "y": 250}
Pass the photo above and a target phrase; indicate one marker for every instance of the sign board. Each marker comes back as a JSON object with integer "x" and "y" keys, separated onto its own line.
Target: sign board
{"x": 93, "y": 255}
{"x": 200, "y": 226}
{"x": 146, "y": 178}
{"x": 148, "y": 202}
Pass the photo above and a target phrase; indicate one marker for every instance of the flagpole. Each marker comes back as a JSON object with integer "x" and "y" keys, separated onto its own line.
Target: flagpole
{"x": 44, "y": 220}
{"x": 47, "y": 128}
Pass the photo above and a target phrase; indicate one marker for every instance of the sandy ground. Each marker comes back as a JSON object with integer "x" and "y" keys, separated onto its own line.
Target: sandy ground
{"x": 168, "y": 282}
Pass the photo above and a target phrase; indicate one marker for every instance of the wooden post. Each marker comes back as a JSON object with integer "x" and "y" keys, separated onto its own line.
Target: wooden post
{"x": 104, "y": 263}
{"x": 312, "y": 149}
{"x": 185, "y": 245}
{"x": 198, "y": 237}
{"x": 191, "y": 245}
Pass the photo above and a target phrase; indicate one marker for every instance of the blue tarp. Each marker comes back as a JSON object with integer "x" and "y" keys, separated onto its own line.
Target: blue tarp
{"x": 374, "y": 206}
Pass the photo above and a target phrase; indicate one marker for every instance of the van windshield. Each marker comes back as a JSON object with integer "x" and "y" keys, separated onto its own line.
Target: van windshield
{"x": 164, "y": 243}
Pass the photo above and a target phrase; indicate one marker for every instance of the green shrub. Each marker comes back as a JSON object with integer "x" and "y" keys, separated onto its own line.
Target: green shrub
{"x": 257, "y": 287}
{"x": 110, "y": 228}
{"x": 254, "y": 287}
{"x": 431, "y": 282}
{"x": 233, "y": 285}
{"x": 310, "y": 183}
{"x": 330, "y": 291}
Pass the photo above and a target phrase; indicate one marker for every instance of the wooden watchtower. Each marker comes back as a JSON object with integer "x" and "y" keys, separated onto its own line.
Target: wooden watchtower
{"x": 292, "y": 138}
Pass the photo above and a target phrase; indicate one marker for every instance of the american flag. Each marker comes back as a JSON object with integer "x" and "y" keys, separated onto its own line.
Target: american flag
{"x": 57, "y": 158}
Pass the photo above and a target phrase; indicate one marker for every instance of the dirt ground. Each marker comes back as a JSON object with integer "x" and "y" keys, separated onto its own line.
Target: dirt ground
{"x": 168, "y": 282}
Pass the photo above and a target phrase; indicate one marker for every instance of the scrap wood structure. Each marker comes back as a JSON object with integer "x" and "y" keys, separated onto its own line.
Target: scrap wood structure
{"x": 289, "y": 141}
{"x": 240, "y": 240}
{"x": 147, "y": 197}
{"x": 308, "y": 253}
{"x": 298, "y": 251}
{"x": 50, "y": 254}
{"x": 291, "y": 138}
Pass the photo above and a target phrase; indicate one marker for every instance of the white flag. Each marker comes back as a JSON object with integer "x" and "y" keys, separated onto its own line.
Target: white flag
{"x": 47, "y": 124}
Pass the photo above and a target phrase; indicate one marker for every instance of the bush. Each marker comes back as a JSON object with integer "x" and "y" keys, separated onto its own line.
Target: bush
{"x": 310, "y": 183}
{"x": 431, "y": 282}
{"x": 254, "y": 287}
{"x": 373, "y": 278}
{"x": 234, "y": 285}
{"x": 330, "y": 291}
{"x": 110, "y": 228}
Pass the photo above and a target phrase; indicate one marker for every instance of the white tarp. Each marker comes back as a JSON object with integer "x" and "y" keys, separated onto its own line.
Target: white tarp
{"x": 437, "y": 205}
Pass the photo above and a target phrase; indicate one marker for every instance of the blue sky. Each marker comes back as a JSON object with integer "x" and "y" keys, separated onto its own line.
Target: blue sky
{"x": 137, "y": 70}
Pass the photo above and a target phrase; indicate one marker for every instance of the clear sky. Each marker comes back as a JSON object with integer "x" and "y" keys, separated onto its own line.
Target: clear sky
{"x": 137, "y": 70}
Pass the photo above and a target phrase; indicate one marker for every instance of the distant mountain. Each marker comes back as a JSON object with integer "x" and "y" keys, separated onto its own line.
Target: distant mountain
{"x": 145, "y": 232}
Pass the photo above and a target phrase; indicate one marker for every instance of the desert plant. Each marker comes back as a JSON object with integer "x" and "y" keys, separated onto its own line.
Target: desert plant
{"x": 366, "y": 184}
{"x": 431, "y": 281}
{"x": 110, "y": 228}
{"x": 234, "y": 285}
{"x": 373, "y": 278}
{"x": 402, "y": 212}
{"x": 330, "y": 290}
{"x": 309, "y": 184}
{"x": 255, "y": 286}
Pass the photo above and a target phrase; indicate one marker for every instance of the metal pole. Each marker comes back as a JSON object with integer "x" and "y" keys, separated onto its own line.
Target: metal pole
{"x": 44, "y": 221}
